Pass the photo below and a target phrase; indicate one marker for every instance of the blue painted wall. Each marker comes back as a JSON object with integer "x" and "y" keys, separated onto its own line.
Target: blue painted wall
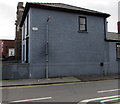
{"x": 15, "y": 71}
{"x": 118, "y": 66}
{"x": 114, "y": 63}
{"x": 71, "y": 53}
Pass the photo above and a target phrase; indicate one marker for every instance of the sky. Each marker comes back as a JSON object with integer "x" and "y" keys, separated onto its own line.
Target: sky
{"x": 8, "y": 10}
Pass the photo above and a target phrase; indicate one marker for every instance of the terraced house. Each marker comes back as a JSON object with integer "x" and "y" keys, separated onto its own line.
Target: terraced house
{"x": 65, "y": 40}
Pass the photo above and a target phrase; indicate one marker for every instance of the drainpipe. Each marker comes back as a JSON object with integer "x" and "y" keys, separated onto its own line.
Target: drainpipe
{"x": 47, "y": 49}
{"x": 105, "y": 67}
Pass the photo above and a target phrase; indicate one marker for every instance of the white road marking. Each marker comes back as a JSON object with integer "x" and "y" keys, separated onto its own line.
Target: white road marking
{"x": 101, "y": 98}
{"x": 26, "y": 100}
{"x": 103, "y": 101}
{"x": 108, "y": 90}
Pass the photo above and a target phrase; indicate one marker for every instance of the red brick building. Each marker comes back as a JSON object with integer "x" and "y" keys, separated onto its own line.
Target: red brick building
{"x": 7, "y": 48}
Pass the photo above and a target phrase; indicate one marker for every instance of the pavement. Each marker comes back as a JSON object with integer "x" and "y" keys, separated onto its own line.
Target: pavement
{"x": 27, "y": 82}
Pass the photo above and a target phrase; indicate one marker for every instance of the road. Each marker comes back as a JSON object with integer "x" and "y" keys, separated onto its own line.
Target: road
{"x": 82, "y": 92}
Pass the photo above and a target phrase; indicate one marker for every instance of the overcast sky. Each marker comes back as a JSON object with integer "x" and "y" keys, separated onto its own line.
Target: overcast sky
{"x": 8, "y": 13}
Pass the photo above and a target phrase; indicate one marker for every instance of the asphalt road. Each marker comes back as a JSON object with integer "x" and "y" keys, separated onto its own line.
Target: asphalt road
{"x": 80, "y": 92}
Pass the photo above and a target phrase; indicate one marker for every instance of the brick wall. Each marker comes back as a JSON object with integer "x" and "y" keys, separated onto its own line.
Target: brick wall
{"x": 18, "y": 38}
{"x": 5, "y": 46}
{"x": 15, "y": 71}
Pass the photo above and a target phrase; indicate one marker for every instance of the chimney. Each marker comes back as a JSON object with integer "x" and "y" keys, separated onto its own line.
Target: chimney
{"x": 19, "y": 13}
{"x": 18, "y": 37}
{"x": 20, "y": 4}
{"x": 118, "y": 24}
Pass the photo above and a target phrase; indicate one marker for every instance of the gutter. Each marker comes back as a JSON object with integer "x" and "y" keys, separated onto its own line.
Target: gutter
{"x": 35, "y": 5}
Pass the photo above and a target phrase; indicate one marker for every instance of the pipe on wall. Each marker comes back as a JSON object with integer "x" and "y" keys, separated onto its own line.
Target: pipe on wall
{"x": 47, "y": 49}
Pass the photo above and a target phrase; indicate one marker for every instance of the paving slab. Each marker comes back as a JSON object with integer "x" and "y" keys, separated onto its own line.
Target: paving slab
{"x": 25, "y": 82}
{"x": 97, "y": 77}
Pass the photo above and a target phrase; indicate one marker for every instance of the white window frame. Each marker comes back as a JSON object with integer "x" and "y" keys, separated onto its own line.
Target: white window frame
{"x": 82, "y": 24}
{"x": 118, "y": 51}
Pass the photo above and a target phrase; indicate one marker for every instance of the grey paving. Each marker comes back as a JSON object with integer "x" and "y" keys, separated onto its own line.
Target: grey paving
{"x": 98, "y": 77}
{"x": 27, "y": 82}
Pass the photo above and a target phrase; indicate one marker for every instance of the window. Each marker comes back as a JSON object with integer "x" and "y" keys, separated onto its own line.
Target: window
{"x": 11, "y": 52}
{"x": 27, "y": 26}
{"x": 23, "y": 31}
{"x": 82, "y": 24}
{"x": 118, "y": 51}
{"x": 27, "y": 49}
{"x": 23, "y": 52}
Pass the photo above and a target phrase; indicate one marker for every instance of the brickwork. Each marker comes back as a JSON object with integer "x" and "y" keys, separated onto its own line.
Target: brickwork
{"x": 5, "y": 45}
{"x": 18, "y": 38}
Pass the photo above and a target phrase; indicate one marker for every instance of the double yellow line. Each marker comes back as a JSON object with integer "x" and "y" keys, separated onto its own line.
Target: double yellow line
{"x": 46, "y": 85}
{"x": 31, "y": 86}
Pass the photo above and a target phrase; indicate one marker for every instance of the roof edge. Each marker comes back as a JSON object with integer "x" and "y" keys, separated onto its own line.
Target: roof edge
{"x": 35, "y": 5}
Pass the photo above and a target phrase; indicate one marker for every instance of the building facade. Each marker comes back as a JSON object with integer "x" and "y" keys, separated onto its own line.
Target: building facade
{"x": 113, "y": 50}
{"x": 63, "y": 40}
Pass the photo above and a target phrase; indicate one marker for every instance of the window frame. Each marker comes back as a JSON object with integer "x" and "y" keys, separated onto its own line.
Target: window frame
{"x": 83, "y": 24}
{"x": 23, "y": 54}
{"x": 27, "y": 28}
{"x": 117, "y": 50}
